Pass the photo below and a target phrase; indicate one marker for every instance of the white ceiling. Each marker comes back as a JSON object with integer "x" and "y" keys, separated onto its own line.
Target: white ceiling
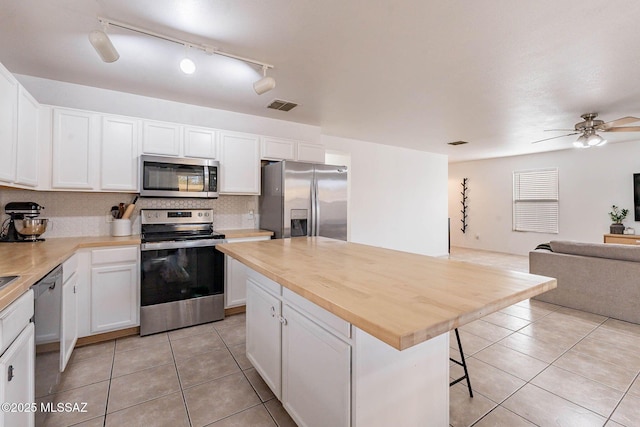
{"x": 412, "y": 73}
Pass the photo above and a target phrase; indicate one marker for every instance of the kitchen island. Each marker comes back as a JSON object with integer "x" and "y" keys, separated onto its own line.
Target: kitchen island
{"x": 353, "y": 335}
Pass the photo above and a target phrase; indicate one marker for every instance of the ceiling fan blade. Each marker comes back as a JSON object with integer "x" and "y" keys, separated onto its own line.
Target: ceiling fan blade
{"x": 554, "y": 137}
{"x": 618, "y": 122}
{"x": 623, "y": 129}
{"x": 559, "y": 130}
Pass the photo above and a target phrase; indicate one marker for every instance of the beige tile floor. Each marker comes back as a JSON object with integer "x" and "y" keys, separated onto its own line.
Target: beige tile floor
{"x": 196, "y": 376}
{"x": 530, "y": 364}
{"x": 539, "y": 364}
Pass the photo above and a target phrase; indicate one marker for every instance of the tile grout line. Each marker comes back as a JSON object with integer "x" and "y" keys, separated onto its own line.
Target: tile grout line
{"x": 175, "y": 365}
{"x": 499, "y": 404}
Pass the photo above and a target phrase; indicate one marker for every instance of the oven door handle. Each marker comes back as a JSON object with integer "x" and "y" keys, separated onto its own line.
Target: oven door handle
{"x": 156, "y": 246}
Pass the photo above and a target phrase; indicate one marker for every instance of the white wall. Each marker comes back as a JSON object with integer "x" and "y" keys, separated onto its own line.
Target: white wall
{"x": 590, "y": 182}
{"x": 109, "y": 101}
{"x": 398, "y": 196}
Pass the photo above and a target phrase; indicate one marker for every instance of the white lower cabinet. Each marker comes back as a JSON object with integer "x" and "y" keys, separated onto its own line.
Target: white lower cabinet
{"x": 306, "y": 366}
{"x": 69, "y": 310}
{"x": 263, "y": 334}
{"x": 320, "y": 397}
{"x": 17, "y": 361}
{"x": 235, "y": 272}
{"x": 115, "y": 302}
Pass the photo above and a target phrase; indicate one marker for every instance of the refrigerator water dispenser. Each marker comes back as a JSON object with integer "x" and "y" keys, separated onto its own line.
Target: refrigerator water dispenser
{"x": 299, "y": 222}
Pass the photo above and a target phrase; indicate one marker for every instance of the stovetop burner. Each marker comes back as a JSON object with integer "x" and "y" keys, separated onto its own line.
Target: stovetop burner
{"x": 161, "y": 225}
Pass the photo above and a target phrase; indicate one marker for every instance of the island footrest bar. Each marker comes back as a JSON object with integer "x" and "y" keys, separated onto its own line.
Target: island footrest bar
{"x": 462, "y": 363}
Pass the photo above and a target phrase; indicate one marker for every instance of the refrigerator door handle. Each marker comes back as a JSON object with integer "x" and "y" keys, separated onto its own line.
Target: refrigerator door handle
{"x": 316, "y": 200}
{"x": 314, "y": 207}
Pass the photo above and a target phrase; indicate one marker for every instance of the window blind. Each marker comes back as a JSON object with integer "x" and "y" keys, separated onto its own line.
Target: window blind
{"x": 535, "y": 200}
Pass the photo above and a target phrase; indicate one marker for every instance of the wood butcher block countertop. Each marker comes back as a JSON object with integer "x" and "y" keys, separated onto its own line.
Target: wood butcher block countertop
{"x": 245, "y": 232}
{"x": 32, "y": 261}
{"x": 400, "y": 298}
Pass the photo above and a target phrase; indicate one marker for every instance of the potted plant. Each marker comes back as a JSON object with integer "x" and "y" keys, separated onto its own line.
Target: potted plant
{"x": 617, "y": 216}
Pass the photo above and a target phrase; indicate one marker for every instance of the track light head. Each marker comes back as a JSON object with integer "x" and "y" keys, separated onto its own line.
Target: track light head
{"x": 187, "y": 66}
{"x": 265, "y": 84}
{"x": 102, "y": 44}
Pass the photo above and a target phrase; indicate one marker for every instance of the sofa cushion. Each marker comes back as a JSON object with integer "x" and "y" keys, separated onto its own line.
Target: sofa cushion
{"x": 598, "y": 250}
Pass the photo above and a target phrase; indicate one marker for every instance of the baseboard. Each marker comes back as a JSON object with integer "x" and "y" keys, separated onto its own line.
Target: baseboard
{"x": 235, "y": 310}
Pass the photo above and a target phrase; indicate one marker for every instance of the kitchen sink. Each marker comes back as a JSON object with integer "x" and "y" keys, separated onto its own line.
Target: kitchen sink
{"x": 5, "y": 280}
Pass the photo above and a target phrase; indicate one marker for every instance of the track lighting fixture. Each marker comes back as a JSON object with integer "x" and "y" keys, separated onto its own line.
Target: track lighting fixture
{"x": 265, "y": 84}
{"x": 187, "y": 65}
{"x": 108, "y": 53}
{"x": 102, "y": 44}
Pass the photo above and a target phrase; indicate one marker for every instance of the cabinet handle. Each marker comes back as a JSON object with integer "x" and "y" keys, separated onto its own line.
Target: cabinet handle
{"x": 273, "y": 311}
{"x": 10, "y": 373}
{"x": 74, "y": 289}
{"x": 282, "y": 320}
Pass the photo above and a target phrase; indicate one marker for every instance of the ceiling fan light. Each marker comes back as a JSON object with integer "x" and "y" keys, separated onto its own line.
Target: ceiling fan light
{"x": 187, "y": 66}
{"x": 581, "y": 142}
{"x": 578, "y": 144}
{"x": 594, "y": 140}
{"x": 102, "y": 44}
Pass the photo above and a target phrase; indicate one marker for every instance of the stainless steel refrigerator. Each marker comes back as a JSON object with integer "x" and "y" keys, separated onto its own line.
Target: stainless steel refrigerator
{"x": 304, "y": 199}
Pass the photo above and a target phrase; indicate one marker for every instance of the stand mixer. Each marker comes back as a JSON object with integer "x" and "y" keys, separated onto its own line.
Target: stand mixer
{"x": 23, "y": 224}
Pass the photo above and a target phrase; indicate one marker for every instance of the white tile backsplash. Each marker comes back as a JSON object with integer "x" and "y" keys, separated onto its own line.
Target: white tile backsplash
{"x": 85, "y": 214}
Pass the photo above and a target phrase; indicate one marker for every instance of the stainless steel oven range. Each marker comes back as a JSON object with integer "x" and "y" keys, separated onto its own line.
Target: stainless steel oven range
{"x": 182, "y": 272}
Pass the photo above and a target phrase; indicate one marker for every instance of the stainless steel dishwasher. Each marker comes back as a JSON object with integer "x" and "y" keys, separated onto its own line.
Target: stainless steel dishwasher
{"x": 48, "y": 305}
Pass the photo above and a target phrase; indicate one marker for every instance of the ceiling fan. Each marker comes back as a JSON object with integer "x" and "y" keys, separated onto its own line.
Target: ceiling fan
{"x": 589, "y": 128}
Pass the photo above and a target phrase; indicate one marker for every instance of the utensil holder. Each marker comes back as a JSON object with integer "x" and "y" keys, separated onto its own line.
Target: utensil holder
{"x": 121, "y": 227}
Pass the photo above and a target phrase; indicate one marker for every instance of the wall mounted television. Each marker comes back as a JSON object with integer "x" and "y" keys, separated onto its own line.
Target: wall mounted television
{"x": 636, "y": 195}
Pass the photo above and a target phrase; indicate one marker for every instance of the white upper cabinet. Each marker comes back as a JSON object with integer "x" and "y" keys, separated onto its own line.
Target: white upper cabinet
{"x": 278, "y": 148}
{"x": 310, "y": 152}
{"x": 286, "y": 149}
{"x": 119, "y": 155}
{"x": 74, "y": 145}
{"x": 239, "y": 163}
{"x": 28, "y": 134}
{"x": 161, "y": 138}
{"x": 200, "y": 142}
{"x": 8, "y": 124}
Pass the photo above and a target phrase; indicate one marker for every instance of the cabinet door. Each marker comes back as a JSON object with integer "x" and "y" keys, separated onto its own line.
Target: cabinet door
{"x": 310, "y": 152}
{"x": 161, "y": 138}
{"x": 200, "y": 142}
{"x": 69, "y": 320}
{"x": 239, "y": 163}
{"x": 235, "y": 292}
{"x": 114, "y": 297}
{"x": 17, "y": 384}
{"x": 74, "y": 143}
{"x": 263, "y": 335}
{"x": 278, "y": 149}
{"x": 8, "y": 124}
{"x": 322, "y": 396}
{"x": 27, "y": 147}
{"x": 119, "y": 159}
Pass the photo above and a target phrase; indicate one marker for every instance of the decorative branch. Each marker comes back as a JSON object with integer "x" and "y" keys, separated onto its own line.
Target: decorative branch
{"x": 465, "y": 206}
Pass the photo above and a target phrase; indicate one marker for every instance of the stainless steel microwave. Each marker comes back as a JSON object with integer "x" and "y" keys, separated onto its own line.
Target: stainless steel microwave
{"x": 178, "y": 177}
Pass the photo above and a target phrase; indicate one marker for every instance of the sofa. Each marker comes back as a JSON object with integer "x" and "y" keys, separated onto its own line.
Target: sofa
{"x": 595, "y": 277}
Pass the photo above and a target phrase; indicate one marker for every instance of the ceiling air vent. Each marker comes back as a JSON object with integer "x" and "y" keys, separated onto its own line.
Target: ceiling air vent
{"x": 278, "y": 104}
{"x": 457, "y": 142}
